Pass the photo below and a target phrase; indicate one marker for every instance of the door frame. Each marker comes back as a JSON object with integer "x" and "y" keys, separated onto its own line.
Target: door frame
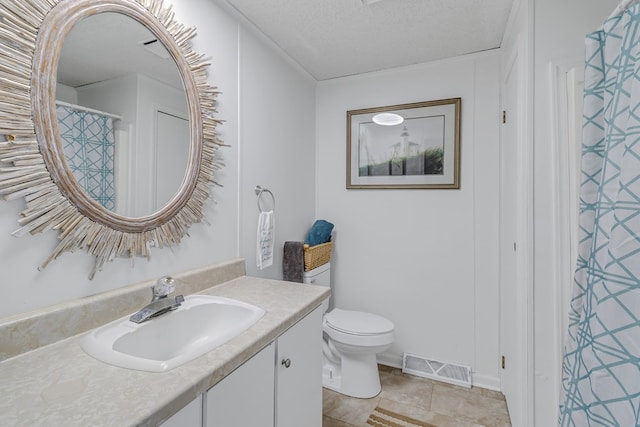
{"x": 563, "y": 225}
{"x": 520, "y": 55}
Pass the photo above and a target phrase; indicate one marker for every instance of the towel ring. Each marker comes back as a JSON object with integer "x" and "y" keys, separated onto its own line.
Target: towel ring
{"x": 259, "y": 190}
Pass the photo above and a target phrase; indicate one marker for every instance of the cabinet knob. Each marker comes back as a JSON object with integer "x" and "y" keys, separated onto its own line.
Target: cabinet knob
{"x": 286, "y": 362}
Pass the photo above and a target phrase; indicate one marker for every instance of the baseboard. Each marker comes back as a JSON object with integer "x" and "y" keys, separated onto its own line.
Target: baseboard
{"x": 485, "y": 381}
{"x": 392, "y": 360}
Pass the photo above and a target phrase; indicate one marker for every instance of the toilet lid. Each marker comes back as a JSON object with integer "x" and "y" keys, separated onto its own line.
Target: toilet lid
{"x": 358, "y": 322}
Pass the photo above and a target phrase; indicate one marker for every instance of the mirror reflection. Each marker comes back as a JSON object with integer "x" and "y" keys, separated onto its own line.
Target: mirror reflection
{"x": 122, "y": 114}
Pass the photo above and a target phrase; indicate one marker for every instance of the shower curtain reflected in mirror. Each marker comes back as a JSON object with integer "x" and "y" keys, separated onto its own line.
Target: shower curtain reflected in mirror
{"x": 89, "y": 146}
{"x": 601, "y": 366}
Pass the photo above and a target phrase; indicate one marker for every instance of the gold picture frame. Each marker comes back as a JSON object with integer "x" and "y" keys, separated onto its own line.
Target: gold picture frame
{"x": 407, "y": 146}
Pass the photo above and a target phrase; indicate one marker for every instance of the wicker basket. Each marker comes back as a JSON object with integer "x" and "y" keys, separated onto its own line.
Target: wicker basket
{"x": 315, "y": 256}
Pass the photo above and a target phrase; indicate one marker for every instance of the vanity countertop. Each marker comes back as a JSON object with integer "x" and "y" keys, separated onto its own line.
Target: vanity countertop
{"x": 60, "y": 384}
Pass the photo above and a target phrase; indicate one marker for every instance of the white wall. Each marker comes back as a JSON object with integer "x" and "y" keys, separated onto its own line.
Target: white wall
{"x": 24, "y": 288}
{"x": 560, "y": 28}
{"x": 277, "y": 149}
{"x": 425, "y": 259}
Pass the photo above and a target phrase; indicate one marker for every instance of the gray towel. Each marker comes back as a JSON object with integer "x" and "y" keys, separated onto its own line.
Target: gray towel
{"x": 293, "y": 262}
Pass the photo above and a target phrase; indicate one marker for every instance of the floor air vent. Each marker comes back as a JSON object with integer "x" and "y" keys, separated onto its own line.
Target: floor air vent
{"x": 436, "y": 370}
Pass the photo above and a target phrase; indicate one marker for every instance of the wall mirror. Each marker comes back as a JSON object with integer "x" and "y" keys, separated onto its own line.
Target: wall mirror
{"x": 122, "y": 114}
{"x": 108, "y": 124}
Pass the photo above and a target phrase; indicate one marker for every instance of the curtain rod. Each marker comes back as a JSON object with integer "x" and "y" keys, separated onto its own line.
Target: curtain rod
{"x": 89, "y": 110}
{"x": 620, "y": 8}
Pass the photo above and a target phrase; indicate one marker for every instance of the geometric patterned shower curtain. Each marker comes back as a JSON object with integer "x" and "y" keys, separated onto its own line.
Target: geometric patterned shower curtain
{"x": 89, "y": 146}
{"x": 601, "y": 366}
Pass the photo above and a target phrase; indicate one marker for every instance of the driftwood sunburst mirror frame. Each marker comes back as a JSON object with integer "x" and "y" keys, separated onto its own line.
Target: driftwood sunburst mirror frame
{"x": 32, "y": 163}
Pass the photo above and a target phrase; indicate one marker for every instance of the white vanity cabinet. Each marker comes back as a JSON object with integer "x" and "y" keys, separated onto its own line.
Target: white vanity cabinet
{"x": 280, "y": 386}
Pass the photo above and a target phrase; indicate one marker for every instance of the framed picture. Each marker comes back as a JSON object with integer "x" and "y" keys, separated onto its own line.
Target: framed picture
{"x": 405, "y": 146}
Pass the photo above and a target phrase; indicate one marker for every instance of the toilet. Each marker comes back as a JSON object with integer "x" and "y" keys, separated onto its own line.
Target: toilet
{"x": 352, "y": 339}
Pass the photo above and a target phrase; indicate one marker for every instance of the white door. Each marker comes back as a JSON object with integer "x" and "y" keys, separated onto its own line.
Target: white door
{"x": 513, "y": 313}
{"x": 172, "y": 155}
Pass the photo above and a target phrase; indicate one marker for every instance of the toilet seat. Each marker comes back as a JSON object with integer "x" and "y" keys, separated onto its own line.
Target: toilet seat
{"x": 357, "y": 322}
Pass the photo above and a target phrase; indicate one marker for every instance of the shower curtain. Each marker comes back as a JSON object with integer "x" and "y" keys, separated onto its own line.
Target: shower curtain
{"x": 601, "y": 366}
{"x": 89, "y": 145}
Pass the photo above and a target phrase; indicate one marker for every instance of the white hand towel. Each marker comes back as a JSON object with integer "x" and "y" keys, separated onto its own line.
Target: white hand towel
{"x": 265, "y": 240}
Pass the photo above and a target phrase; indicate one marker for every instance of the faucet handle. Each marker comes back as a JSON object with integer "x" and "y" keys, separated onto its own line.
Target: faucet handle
{"x": 163, "y": 287}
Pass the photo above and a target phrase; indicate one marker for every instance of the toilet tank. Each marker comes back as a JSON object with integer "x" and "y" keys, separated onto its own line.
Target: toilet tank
{"x": 320, "y": 276}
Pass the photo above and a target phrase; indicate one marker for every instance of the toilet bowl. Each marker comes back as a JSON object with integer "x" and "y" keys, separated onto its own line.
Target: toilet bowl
{"x": 352, "y": 340}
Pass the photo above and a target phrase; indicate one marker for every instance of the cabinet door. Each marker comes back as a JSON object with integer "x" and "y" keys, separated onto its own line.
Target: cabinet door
{"x": 189, "y": 416}
{"x": 299, "y": 374}
{"x": 245, "y": 396}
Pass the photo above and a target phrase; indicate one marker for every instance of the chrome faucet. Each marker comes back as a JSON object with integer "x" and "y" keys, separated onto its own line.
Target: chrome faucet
{"x": 160, "y": 302}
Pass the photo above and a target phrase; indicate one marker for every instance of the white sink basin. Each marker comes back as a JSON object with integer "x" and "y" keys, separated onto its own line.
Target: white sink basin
{"x": 198, "y": 326}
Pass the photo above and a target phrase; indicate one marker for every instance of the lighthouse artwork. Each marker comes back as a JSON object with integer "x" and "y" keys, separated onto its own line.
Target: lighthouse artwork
{"x": 405, "y": 146}
{"x": 407, "y": 153}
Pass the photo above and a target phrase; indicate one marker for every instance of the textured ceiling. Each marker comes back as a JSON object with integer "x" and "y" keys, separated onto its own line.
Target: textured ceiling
{"x": 328, "y": 38}
{"x": 335, "y": 38}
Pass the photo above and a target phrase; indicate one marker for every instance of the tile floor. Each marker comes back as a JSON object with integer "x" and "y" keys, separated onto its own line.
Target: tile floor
{"x": 422, "y": 399}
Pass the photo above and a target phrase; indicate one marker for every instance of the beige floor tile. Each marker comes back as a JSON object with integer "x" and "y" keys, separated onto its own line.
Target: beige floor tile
{"x": 472, "y": 406}
{"x": 332, "y": 422}
{"x": 347, "y": 409}
{"x": 431, "y": 401}
{"x": 421, "y": 414}
{"x": 385, "y": 368}
{"x": 406, "y": 389}
{"x": 490, "y": 393}
{"x": 478, "y": 390}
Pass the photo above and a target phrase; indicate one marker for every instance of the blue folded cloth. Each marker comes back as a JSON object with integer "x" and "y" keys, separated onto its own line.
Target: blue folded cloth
{"x": 320, "y": 233}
